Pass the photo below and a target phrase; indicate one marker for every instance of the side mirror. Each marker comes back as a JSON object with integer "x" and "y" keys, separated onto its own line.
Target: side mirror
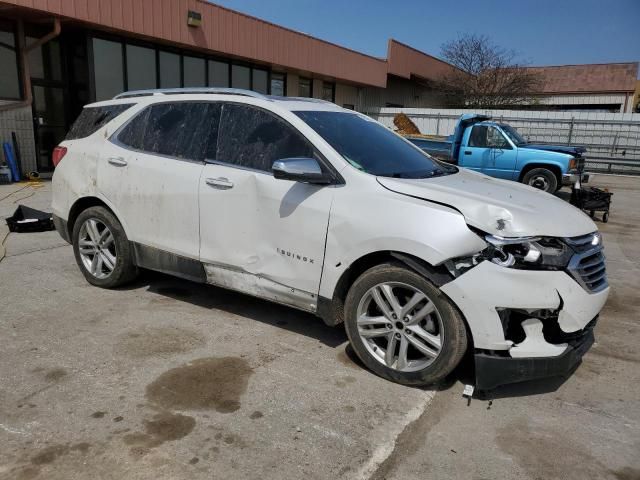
{"x": 305, "y": 170}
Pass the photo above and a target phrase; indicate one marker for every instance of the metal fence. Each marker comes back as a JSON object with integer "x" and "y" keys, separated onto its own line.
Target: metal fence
{"x": 612, "y": 140}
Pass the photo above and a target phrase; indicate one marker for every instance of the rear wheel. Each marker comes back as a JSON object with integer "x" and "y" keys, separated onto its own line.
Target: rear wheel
{"x": 402, "y": 327}
{"x": 542, "y": 179}
{"x": 102, "y": 249}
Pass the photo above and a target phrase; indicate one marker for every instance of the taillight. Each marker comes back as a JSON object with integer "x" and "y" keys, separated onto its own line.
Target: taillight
{"x": 58, "y": 154}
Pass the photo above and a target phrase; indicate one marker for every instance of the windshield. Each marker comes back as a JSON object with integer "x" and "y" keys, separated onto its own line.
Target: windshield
{"x": 372, "y": 148}
{"x": 513, "y": 135}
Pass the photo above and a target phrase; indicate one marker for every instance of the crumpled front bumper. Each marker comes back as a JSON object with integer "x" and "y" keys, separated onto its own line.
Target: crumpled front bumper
{"x": 485, "y": 290}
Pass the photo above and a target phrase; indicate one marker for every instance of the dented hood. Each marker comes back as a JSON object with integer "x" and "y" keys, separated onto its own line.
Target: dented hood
{"x": 498, "y": 207}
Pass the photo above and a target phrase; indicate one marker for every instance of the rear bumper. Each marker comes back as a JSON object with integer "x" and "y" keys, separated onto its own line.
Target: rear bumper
{"x": 61, "y": 227}
{"x": 493, "y": 371}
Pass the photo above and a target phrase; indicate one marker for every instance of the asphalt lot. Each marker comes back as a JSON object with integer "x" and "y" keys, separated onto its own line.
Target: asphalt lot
{"x": 166, "y": 379}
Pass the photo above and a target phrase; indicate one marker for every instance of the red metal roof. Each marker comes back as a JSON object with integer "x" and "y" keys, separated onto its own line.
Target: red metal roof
{"x": 607, "y": 77}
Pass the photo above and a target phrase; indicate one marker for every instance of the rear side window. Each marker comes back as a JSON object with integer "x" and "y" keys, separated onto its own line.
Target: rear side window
{"x": 91, "y": 119}
{"x": 180, "y": 129}
{"x": 253, "y": 138}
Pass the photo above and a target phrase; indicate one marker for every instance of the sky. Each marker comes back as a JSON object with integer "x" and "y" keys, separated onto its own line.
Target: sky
{"x": 542, "y": 32}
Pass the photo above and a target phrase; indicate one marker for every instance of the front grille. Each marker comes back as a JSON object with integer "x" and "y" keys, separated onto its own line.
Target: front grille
{"x": 587, "y": 266}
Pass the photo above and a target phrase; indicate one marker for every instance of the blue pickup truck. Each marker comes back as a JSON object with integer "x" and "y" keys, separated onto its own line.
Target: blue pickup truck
{"x": 498, "y": 150}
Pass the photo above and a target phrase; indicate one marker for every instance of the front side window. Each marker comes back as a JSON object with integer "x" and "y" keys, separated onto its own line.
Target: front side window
{"x": 371, "y": 147}
{"x": 253, "y": 138}
{"x": 486, "y": 136}
{"x": 176, "y": 129}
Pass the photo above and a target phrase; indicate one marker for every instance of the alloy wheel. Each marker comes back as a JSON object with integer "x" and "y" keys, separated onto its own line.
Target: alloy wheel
{"x": 400, "y": 326}
{"x": 97, "y": 248}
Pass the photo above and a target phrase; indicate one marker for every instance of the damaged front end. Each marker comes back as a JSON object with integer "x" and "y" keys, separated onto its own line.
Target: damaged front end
{"x": 531, "y": 304}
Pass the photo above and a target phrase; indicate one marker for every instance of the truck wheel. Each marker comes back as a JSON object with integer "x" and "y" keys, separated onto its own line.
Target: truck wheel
{"x": 403, "y": 327}
{"x": 542, "y": 179}
{"x": 102, "y": 249}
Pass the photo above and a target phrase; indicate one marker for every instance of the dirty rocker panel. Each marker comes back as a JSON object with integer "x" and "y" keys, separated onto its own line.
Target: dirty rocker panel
{"x": 61, "y": 228}
{"x": 166, "y": 262}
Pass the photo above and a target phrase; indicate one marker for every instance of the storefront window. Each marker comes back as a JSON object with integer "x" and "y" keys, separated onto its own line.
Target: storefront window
{"x": 45, "y": 61}
{"x": 277, "y": 84}
{"x": 304, "y": 87}
{"x": 328, "y": 91}
{"x": 169, "y": 70}
{"x": 240, "y": 77}
{"x": 218, "y": 74}
{"x": 260, "y": 81}
{"x": 141, "y": 68}
{"x": 9, "y": 78}
{"x": 194, "y": 75}
{"x": 107, "y": 68}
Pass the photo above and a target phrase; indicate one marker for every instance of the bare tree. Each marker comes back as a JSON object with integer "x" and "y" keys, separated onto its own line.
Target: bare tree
{"x": 486, "y": 75}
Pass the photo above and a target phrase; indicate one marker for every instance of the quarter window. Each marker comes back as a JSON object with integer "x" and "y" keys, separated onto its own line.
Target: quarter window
{"x": 92, "y": 119}
{"x": 254, "y": 138}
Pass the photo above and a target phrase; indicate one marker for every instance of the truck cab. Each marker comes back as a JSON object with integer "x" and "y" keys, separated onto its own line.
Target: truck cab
{"x": 498, "y": 150}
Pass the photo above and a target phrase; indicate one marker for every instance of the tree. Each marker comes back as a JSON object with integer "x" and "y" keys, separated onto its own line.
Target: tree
{"x": 486, "y": 75}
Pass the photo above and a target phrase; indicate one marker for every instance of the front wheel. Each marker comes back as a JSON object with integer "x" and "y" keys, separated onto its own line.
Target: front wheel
{"x": 403, "y": 327}
{"x": 542, "y": 179}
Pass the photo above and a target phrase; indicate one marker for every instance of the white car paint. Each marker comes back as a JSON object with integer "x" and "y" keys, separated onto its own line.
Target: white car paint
{"x": 255, "y": 236}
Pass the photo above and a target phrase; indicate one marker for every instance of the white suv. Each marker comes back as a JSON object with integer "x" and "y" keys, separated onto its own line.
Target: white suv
{"x": 303, "y": 203}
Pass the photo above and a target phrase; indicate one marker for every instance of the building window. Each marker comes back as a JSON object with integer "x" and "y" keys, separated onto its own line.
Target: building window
{"x": 241, "y": 77}
{"x": 141, "y": 68}
{"x": 194, "y": 73}
{"x": 260, "y": 81}
{"x": 169, "y": 70}
{"x": 305, "y": 88}
{"x": 329, "y": 91}
{"x": 107, "y": 68}
{"x": 218, "y": 74}
{"x": 45, "y": 61}
{"x": 9, "y": 77}
{"x": 278, "y": 84}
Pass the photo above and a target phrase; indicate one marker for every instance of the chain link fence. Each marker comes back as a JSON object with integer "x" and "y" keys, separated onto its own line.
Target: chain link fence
{"x": 612, "y": 140}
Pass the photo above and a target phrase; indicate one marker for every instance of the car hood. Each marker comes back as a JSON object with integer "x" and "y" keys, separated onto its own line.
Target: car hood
{"x": 498, "y": 207}
{"x": 570, "y": 150}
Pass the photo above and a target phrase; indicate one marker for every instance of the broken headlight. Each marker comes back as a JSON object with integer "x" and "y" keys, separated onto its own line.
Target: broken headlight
{"x": 527, "y": 252}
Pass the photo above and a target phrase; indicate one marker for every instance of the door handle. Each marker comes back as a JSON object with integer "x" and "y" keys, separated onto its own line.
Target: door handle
{"x": 221, "y": 182}
{"x": 468, "y": 152}
{"x": 117, "y": 161}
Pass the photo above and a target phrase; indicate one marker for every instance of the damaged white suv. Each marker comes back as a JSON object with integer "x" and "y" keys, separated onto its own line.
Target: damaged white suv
{"x": 306, "y": 204}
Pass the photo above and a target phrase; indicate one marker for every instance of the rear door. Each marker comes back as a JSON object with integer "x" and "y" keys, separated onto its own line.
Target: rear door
{"x": 149, "y": 171}
{"x": 259, "y": 234}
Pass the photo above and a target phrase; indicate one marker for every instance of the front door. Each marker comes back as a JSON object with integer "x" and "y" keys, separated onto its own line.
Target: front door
{"x": 258, "y": 234}
{"x": 503, "y": 156}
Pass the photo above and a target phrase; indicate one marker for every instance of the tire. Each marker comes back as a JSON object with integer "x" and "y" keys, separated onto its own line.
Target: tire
{"x": 542, "y": 179}
{"x": 112, "y": 257}
{"x": 605, "y": 217}
{"x": 443, "y": 325}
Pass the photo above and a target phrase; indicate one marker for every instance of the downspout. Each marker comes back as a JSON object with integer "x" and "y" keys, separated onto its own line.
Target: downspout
{"x": 24, "y": 54}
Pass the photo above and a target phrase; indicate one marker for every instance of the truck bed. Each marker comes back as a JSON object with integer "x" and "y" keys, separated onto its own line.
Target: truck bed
{"x": 437, "y": 147}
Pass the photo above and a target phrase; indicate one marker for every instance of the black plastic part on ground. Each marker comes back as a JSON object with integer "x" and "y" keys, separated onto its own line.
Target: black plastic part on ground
{"x": 493, "y": 371}
{"x": 26, "y": 219}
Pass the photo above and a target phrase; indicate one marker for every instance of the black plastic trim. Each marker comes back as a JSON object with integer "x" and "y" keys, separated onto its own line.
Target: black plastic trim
{"x": 167, "y": 262}
{"x": 61, "y": 227}
{"x": 493, "y": 371}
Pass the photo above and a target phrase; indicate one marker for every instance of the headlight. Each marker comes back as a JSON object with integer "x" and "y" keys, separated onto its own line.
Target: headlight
{"x": 527, "y": 252}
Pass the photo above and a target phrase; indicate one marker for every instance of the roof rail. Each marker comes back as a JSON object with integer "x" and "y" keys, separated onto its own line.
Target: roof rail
{"x": 193, "y": 90}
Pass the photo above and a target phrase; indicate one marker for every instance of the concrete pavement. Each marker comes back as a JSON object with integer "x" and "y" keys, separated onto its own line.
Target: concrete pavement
{"x": 169, "y": 379}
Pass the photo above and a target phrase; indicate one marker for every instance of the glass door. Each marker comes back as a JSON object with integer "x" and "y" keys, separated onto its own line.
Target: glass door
{"x": 49, "y": 123}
